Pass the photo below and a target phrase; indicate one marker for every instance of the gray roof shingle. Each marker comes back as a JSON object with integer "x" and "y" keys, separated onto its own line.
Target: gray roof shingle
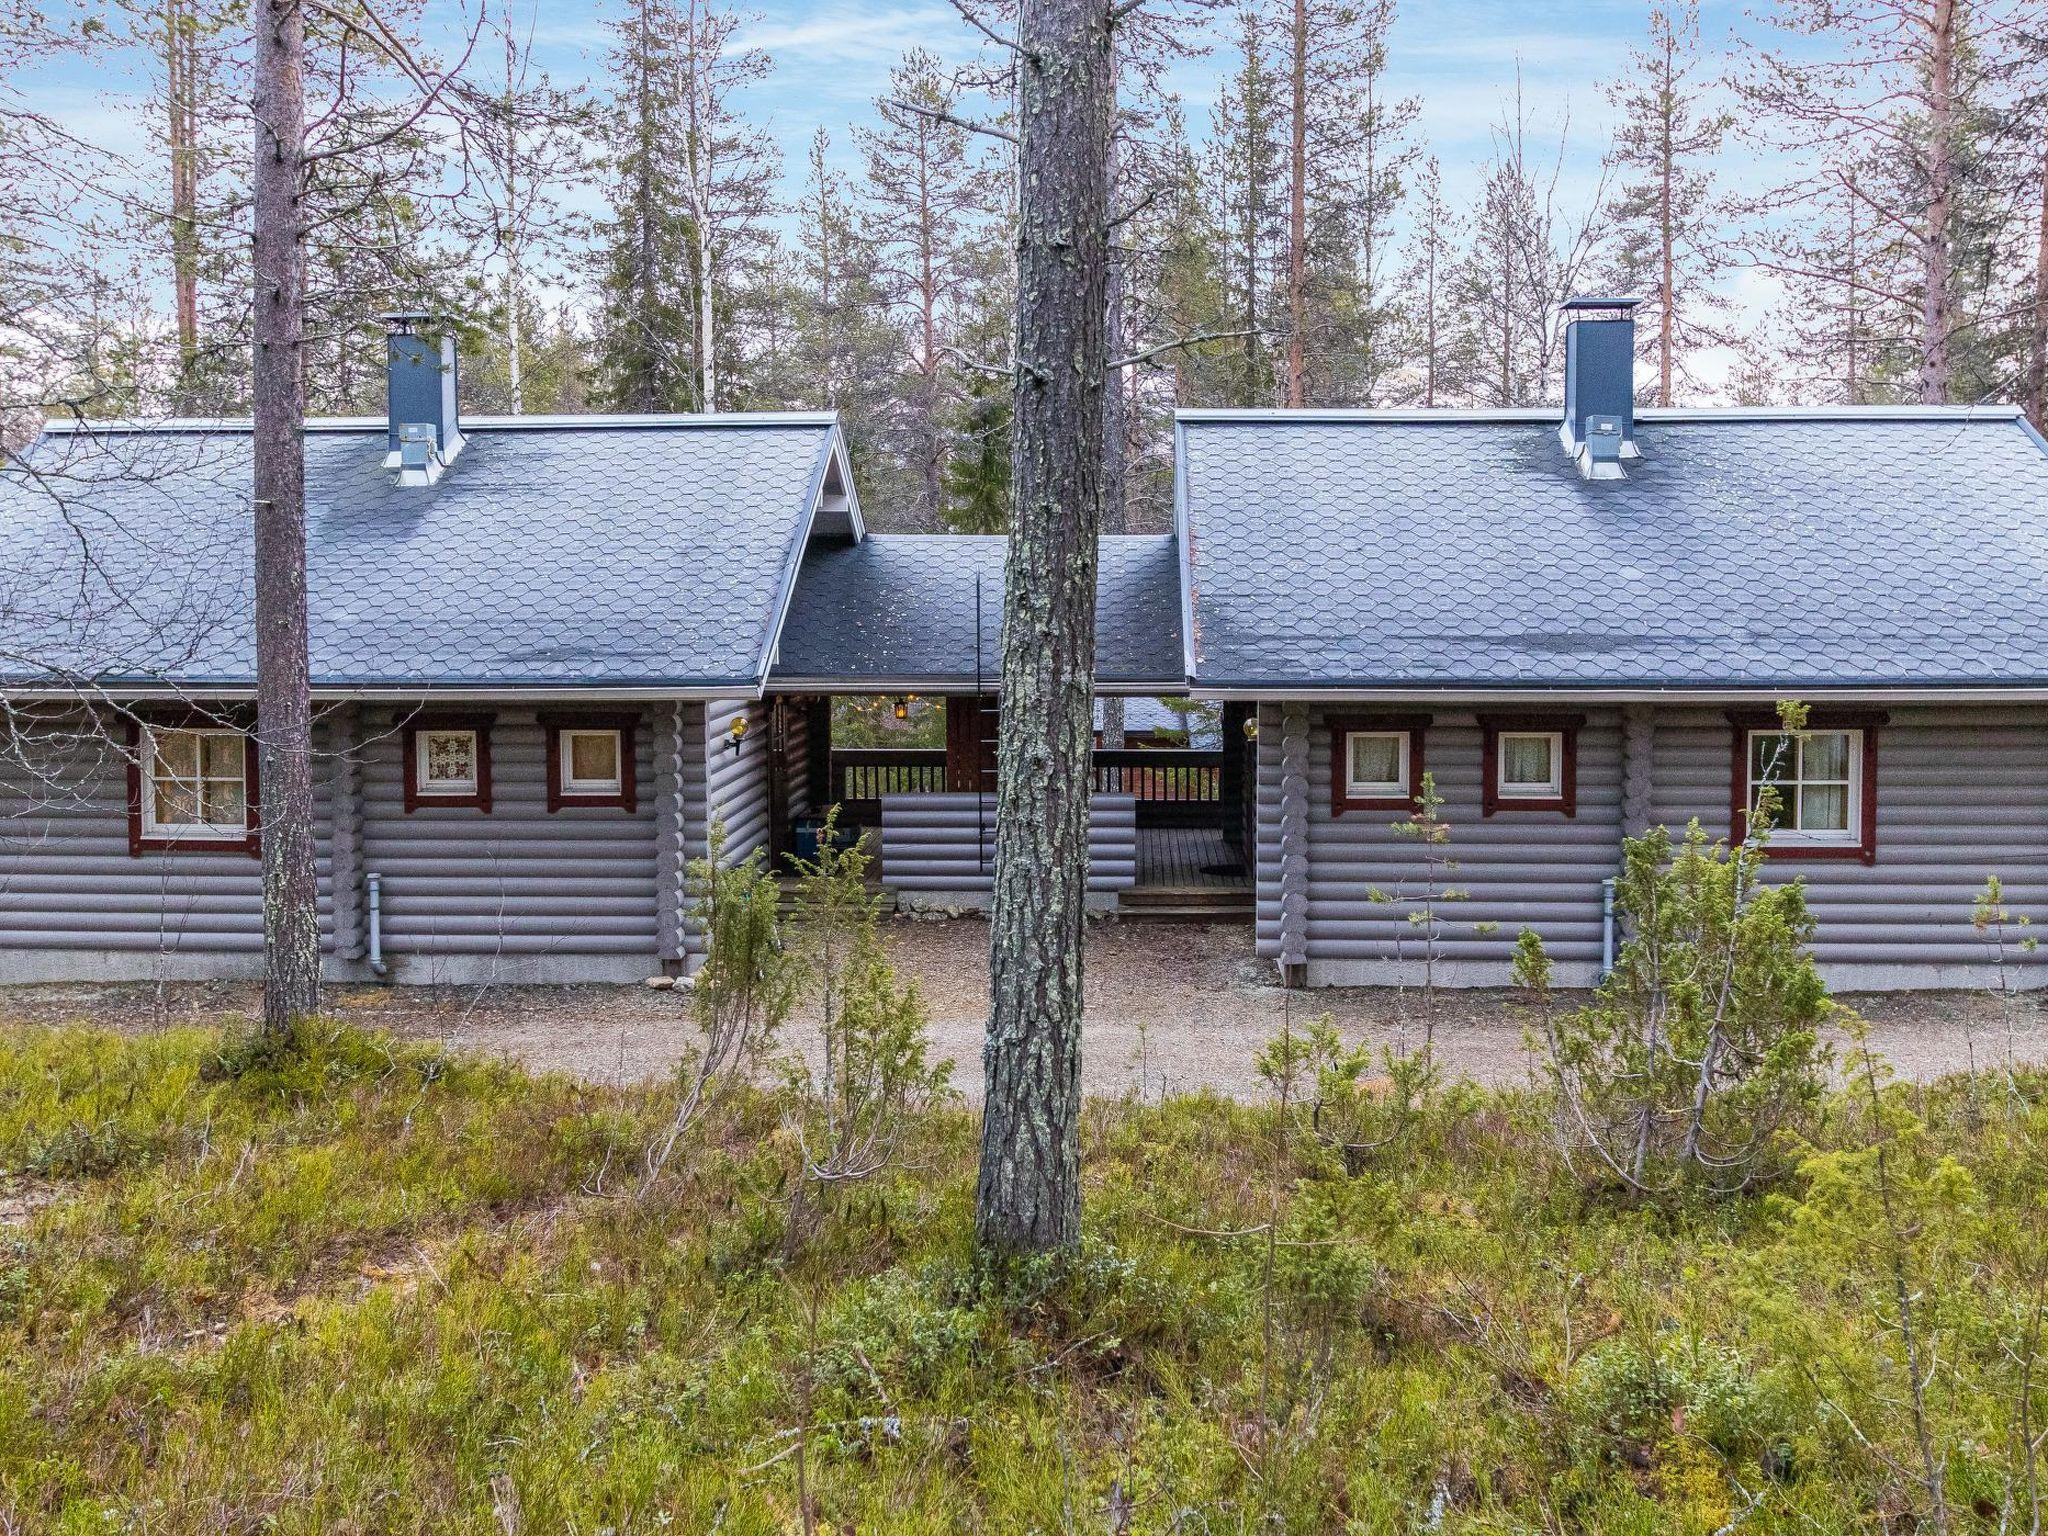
{"x": 1742, "y": 551}
{"x": 898, "y": 609}
{"x": 621, "y": 554}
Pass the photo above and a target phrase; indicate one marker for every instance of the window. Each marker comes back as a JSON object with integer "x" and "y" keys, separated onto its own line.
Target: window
{"x": 590, "y": 760}
{"x": 448, "y": 761}
{"x": 191, "y": 786}
{"x": 1826, "y": 779}
{"x": 1529, "y": 763}
{"x": 1378, "y": 763}
{"x": 1375, "y": 762}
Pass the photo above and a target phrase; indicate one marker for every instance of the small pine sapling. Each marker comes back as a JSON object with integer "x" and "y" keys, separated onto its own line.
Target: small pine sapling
{"x": 1426, "y": 827}
{"x": 2005, "y": 931}
{"x": 1704, "y": 1041}
{"x": 742, "y": 993}
{"x": 851, "y": 1110}
{"x": 1329, "y": 1091}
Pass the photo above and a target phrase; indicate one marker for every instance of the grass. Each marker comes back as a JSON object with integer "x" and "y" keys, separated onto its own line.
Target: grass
{"x": 382, "y": 1288}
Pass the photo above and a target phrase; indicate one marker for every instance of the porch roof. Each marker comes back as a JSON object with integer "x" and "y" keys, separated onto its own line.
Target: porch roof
{"x": 896, "y": 613}
{"x": 1778, "y": 551}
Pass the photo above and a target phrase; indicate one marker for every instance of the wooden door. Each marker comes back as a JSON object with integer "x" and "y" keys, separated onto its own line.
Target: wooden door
{"x": 971, "y": 726}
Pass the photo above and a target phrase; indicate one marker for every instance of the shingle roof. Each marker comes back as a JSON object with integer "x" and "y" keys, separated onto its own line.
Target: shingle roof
{"x": 898, "y": 610}
{"x": 1744, "y": 550}
{"x": 611, "y": 554}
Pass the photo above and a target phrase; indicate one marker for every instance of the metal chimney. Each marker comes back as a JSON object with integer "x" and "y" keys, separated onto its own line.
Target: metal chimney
{"x": 1600, "y": 381}
{"x": 422, "y": 397}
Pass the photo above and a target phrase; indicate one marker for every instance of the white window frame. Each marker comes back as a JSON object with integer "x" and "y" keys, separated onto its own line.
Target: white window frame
{"x": 1364, "y": 789}
{"x": 1786, "y": 835}
{"x": 1505, "y": 789}
{"x": 565, "y": 737}
{"x": 186, "y": 831}
{"x": 425, "y": 788}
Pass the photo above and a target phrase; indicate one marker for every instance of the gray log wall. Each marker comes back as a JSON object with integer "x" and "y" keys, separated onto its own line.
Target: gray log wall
{"x": 75, "y": 904}
{"x": 1962, "y": 793}
{"x": 725, "y": 786}
{"x": 929, "y": 855}
{"x": 518, "y": 893}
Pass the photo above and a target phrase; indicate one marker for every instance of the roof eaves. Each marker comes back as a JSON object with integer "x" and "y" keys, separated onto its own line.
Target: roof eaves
{"x": 1545, "y": 415}
{"x": 76, "y": 427}
{"x": 1619, "y": 690}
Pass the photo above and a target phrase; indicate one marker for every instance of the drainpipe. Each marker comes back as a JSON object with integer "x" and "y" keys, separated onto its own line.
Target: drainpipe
{"x": 376, "y": 884}
{"x": 1606, "y": 926}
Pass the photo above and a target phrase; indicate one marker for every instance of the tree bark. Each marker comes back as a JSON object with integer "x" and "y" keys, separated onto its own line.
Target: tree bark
{"x": 1297, "y": 215}
{"x": 181, "y": 87}
{"x": 1028, "y": 1196}
{"x": 284, "y": 721}
{"x": 1667, "y": 256}
{"x": 2037, "y": 349}
{"x": 1936, "y": 254}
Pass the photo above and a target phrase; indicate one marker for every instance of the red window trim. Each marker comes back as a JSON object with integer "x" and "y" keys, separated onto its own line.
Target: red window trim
{"x": 627, "y": 799}
{"x": 1491, "y": 727}
{"x": 1742, "y": 722}
{"x": 251, "y": 842}
{"x": 409, "y": 744}
{"x": 1340, "y": 763}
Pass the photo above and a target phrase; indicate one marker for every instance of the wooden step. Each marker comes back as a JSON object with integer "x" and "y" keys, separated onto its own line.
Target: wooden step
{"x": 1186, "y": 901}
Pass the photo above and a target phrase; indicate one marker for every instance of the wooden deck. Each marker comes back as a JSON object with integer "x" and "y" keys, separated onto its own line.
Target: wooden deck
{"x": 1188, "y": 859}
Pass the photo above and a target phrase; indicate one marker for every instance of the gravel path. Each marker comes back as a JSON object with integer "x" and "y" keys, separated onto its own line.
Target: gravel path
{"x": 1172, "y": 1007}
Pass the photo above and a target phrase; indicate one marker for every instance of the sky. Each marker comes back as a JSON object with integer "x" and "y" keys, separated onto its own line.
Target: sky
{"x": 1460, "y": 59}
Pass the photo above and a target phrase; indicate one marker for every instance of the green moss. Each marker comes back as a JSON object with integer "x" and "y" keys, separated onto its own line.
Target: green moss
{"x": 374, "y": 1288}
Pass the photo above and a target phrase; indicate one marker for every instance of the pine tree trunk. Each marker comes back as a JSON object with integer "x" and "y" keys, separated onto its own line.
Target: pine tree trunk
{"x": 1297, "y": 215}
{"x": 180, "y": 88}
{"x": 284, "y": 728}
{"x": 1029, "y": 1194}
{"x": 1667, "y": 273}
{"x": 1936, "y": 256}
{"x": 2037, "y": 351}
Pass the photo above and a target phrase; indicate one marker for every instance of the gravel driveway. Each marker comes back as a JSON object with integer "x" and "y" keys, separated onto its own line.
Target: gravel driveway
{"x": 1171, "y": 1007}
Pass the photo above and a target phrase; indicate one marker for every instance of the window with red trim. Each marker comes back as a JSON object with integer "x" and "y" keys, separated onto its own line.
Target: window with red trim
{"x": 1529, "y": 763}
{"x": 1825, "y": 778}
{"x": 447, "y": 761}
{"x": 590, "y": 761}
{"x": 1376, "y": 762}
{"x": 192, "y": 786}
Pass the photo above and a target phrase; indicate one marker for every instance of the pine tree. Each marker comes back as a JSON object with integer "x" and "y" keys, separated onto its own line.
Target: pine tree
{"x": 1248, "y": 174}
{"x": 1438, "y": 345}
{"x": 1527, "y": 257}
{"x": 1886, "y": 102}
{"x": 842, "y": 348}
{"x": 527, "y": 136}
{"x": 1346, "y": 152}
{"x": 1669, "y": 223}
{"x": 690, "y": 199}
{"x": 930, "y": 196}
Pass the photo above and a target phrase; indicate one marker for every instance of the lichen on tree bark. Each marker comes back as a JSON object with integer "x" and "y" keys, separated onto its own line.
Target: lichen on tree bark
{"x": 1029, "y": 1196}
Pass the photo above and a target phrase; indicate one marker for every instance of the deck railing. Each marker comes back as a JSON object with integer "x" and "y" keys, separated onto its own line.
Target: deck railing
{"x": 1171, "y": 784}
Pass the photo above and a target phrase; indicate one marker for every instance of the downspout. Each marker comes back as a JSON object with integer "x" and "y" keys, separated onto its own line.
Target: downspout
{"x": 376, "y": 885}
{"x": 1606, "y": 926}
